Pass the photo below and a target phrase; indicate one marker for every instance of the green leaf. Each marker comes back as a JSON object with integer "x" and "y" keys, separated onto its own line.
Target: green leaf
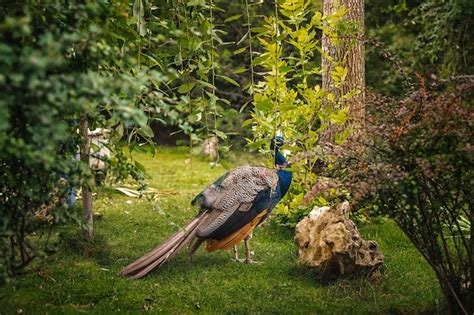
{"x": 232, "y": 18}
{"x": 186, "y": 87}
{"x": 256, "y": 144}
{"x": 330, "y": 97}
{"x": 195, "y": 2}
{"x": 247, "y": 122}
{"x": 240, "y": 50}
{"x": 264, "y": 105}
{"x": 198, "y": 116}
{"x": 259, "y": 29}
{"x": 231, "y": 81}
{"x": 341, "y": 137}
{"x": 316, "y": 19}
{"x": 242, "y": 39}
{"x": 260, "y": 59}
{"x": 240, "y": 70}
{"x": 138, "y": 9}
{"x": 154, "y": 61}
{"x": 322, "y": 201}
{"x": 284, "y": 69}
{"x": 178, "y": 59}
{"x": 140, "y": 166}
{"x": 141, "y": 26}
{"x": 286, "y": 13}
{"x": 339, "y": 117}
{"x": 139, "y": 12}
{"x": 146, "y": 131}
{"x": 207, "y": 84}
{"x": 244, "y": 106}
{"x": 220, "y": 134}
{"x": 225, "y": 101}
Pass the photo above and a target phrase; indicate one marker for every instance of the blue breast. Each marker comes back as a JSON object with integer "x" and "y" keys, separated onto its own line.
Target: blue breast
{"x": 284, "y": 181}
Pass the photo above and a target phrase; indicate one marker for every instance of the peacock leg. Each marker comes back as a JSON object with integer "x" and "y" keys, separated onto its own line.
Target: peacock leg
{"x": 236, "y": 254}
{"x": 248, "y": 252}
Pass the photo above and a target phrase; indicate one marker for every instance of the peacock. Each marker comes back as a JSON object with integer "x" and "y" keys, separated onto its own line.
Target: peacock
{"x": 230, "y": 208}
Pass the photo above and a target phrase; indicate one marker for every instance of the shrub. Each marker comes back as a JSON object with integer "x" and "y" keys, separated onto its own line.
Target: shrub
{"x": 50, "y": 55}
{"x": 38, "y": 87}
{"x": 414, "y": 163}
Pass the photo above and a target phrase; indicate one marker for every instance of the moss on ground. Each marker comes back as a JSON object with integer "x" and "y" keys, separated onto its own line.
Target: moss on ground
{"x": 81, "y": 277}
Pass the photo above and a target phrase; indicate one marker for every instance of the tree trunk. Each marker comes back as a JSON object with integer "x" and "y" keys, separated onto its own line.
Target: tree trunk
{"x": 349, "y": 53}
{"x": 87, "y": 219}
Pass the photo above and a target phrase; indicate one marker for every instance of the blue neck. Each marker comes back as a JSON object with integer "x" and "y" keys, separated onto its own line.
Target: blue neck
{"x": 284, "y": 176}
{"x": 280, "y": 158}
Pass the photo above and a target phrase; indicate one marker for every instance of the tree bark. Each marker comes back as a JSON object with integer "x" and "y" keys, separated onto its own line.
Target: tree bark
{"x": 349, "y": 53}
{"x": 87, "y": 218}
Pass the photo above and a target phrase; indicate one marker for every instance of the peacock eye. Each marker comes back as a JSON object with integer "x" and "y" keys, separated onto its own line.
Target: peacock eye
{"x": 373, "y": 246}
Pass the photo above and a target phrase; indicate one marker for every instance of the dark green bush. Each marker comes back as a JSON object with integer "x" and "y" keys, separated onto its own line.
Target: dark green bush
{"x": 414, "y": 162}
{"x": 50, "y": 56}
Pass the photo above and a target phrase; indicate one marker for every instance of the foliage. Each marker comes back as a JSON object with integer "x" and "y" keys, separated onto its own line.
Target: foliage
{"x": 288, "y": 99}
{"x": 82, "y": 277}
{"x": 58, "y": 65}
{"x": 119, "y": 65}
{"x": 433, "y": 37}
{"x": 324, "y": 192}
{"x": 184, "y": 39}
{"x": 446, "y": 35}
{"x": 414, "y": 163}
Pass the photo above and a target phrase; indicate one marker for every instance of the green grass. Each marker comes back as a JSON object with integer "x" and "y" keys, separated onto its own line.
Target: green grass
{"x": 81, "y": 277}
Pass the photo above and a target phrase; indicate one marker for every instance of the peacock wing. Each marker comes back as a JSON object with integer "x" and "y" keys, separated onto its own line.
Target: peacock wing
{"x": 239, "y": 196}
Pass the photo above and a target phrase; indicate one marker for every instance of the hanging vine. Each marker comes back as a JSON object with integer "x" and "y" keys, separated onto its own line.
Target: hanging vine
{"x": 249, "y": 34}
{"x": 213, "y": 77}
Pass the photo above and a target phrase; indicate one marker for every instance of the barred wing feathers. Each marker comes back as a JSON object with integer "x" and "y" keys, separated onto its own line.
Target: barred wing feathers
{"x": 246, "y": 189}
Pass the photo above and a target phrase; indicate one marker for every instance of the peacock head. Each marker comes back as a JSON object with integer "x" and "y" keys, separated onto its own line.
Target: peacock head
{"x": 275, "y": 144}
{"x": 281, "y": 164}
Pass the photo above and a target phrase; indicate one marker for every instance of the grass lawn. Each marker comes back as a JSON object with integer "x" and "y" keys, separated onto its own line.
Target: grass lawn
{"x": 81, "y": 278}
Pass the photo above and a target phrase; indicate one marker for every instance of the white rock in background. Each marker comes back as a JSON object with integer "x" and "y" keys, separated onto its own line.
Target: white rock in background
{"x": 210, "y": 148}
{"x": 99, "y": 139}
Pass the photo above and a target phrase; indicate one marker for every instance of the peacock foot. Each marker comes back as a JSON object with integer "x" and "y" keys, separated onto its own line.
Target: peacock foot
{"x": 247, "y": 260}
{"x": 251, "y": 261}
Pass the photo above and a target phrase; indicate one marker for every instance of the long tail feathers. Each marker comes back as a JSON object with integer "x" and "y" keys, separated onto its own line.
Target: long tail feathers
{"x": 165, "y": 252}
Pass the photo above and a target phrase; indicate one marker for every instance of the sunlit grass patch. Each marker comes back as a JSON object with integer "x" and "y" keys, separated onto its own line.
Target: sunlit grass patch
{"x": 81, "y": 276}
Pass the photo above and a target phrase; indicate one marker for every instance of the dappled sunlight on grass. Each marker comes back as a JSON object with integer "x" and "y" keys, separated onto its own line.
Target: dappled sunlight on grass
{"x": 81, "y": 277}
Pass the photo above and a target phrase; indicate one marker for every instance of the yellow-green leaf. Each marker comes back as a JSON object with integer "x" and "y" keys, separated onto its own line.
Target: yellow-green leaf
{"x": 240, "y": 50}
{"x": 240, "y": 70}
{"x": 247, "y": 122}
{"x": 264, "y": 105}
{"x": 330, "y": 97}
{"x": 339, "y": 117}
{"x": 231, "y": 81}
{"x": 232, "y": 18}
